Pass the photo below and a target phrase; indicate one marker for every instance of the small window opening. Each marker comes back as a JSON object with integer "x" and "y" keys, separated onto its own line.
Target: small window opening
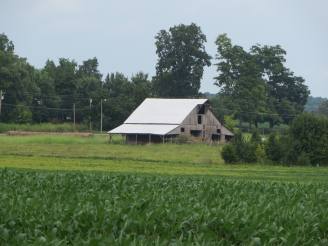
{"x": 199, "y": 119}
{"x": 182, "y": 129}
{"x": 218, "y": 131}
{"x": 201, "y": 109}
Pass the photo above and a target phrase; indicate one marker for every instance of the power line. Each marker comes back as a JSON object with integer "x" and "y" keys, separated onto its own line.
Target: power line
{"x": 57, "y": 96}
{"x": 258, "y": 113}
{"x": 41, "y": 107}
{"x": 87, "y": 109}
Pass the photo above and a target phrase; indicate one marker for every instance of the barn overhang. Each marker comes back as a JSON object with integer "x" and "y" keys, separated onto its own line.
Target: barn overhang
{"x": 153, "y": 129}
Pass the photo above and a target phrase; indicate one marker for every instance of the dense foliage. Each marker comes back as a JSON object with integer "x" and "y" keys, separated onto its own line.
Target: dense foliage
{"x": 305, "y": 143}
{"x": 49, "y": 94}
{"x": 181, "y": 61}
{"x": 241, "y": 149}
{"x": 256, "y": 86}
{"x": 75, "y": 208}
{"x": 309, "y": 135}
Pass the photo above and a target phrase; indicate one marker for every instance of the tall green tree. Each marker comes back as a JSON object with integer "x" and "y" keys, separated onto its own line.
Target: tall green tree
{"x": 120, "y": 101}
{"x": 89, "y": 91}
{"x": 287, "y": 93}
{"x": 256, "y": 85}
{"x": 46, "y": 101}
{"x": 142, "y": 87}
{"x": 17, "y": 82}
{"x": 181, "y": 61}
{"x": 240, "y": 80}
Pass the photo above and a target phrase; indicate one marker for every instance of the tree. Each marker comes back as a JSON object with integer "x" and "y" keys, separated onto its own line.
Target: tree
{"x": 240, "y": 80}
{"x": 181, "y": 61}
{"x": 142, "y": 87}
{"x": 286, "y": 93}
{"x": 7, "y": 60}
{"x": 17, "y": 81}
{"x": 256, "y": 85}
{"x": 306, "y": 142}
{"x": 89, "y": 91}
{"x": 309, "y": 135}
{"x": 120, "y": 99}
{"x": 46, "y": 99}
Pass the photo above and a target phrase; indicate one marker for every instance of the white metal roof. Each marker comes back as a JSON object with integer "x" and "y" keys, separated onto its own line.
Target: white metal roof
{"x": 163, "y": 111}
{"x": 155, "y": 129}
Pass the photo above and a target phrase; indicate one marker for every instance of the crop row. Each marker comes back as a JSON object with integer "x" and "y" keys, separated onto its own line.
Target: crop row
{"x": 82, "y": 208}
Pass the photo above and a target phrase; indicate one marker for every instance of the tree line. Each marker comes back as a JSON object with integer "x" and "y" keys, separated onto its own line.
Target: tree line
{"x": 304, "y": 143}
{"x": 254, "y": 86}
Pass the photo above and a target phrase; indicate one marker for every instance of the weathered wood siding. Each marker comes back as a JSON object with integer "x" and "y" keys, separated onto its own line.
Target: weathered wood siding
{"x": 209, "y": 125}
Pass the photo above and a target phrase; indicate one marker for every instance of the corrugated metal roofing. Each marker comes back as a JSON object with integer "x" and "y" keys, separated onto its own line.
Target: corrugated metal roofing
{"x": 155, "y": 129}
{"x": 163, "y": 111}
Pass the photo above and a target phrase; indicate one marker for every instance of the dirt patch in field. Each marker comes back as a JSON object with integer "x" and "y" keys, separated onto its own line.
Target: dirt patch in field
{"x": 26, "y": 133}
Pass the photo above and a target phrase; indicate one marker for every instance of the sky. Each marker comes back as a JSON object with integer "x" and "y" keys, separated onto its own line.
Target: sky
{"x": 121, "y": 33}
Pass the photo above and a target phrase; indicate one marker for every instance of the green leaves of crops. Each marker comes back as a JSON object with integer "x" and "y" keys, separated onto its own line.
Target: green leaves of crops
{"x": 76, "y": 208}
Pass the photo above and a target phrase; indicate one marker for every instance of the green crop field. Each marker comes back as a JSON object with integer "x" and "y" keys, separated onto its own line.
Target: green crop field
{"x": 59, "y": 190}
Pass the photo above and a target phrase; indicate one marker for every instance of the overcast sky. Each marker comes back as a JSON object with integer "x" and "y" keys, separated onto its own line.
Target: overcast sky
{"x": 121, "y": 33}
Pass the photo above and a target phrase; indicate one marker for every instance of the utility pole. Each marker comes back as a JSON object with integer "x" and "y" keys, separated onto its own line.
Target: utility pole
{"x": 74, "y": 114}
{"x": 0, "y": 100}
{"x": 90, "y": 100}
{"x": 101, "y": 115}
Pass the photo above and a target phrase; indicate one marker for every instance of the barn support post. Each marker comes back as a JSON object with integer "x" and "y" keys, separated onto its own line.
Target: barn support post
{"x": 136, "y": 138}
{"x": 163, "y": 138}
{"x": 149, "y": 138}
{"x": 222, "y": 138}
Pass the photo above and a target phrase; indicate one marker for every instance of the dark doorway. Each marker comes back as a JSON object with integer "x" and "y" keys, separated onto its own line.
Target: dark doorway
{"x": 215, "y": 137}
{"x": 196, "y": 133}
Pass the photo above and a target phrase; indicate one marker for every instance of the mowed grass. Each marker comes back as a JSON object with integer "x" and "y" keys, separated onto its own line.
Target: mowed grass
{"x": 94, "y": 153}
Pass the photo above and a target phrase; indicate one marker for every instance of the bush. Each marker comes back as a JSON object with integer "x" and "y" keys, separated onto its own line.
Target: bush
{"x": 306, "y": 142}
{"x": 248, "y": 152}
{"x": 256, "y": 137}
{"x": 273, "y": 149}
{"x": 303, "y": 160}
{"x": 309, "y": 134}
{"x": 230, "y": 122}
{"x": 229, "y": 154}
{"x": 239, "y": 150}
{"x": 260, "y": 153}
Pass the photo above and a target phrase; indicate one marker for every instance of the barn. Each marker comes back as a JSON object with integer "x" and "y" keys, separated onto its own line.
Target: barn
{"x": 159, "y": 120}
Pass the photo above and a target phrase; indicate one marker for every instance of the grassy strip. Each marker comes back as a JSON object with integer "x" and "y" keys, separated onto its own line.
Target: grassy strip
{"x": 98, "y": 147}
{"x": 95, "y": 154}
{"x": 256, "y": 172}
{"x": 42, "y": 127}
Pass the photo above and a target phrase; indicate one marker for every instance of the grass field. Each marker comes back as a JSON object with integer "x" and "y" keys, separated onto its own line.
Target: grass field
{"x": 59, "y": 190}
{"x": 42, "y": 127}
{"x": 96, "y": 154}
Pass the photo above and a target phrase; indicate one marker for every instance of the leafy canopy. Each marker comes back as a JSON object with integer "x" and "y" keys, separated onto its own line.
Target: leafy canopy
{"x": 181, "y": 61}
